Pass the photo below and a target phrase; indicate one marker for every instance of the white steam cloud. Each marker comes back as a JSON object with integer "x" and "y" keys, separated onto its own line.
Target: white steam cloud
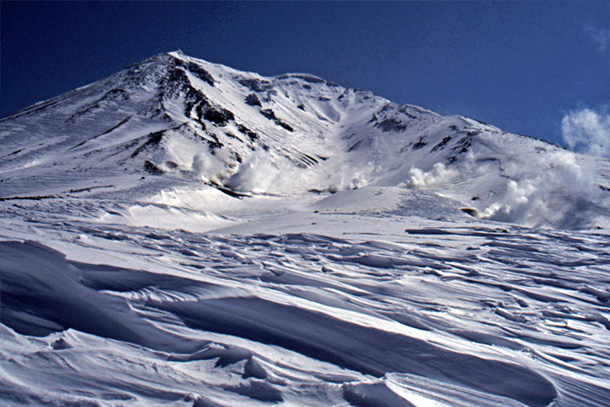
{"x": 210, "y": 167}
{"x": 437, "y": 176}
{"x": 588, "y": 131}
{"x": 556, "y": 188}
{"x": 562, "y": 193}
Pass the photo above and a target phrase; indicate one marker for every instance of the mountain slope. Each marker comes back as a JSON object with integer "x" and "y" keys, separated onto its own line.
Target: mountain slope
{"x": 173, "y": 116}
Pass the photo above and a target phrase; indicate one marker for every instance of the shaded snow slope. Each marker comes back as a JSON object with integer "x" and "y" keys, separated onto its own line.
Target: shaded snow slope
{"x": 185, "y": 234}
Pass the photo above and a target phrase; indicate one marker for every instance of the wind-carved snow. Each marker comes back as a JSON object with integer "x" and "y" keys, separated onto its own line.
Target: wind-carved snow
{"x": 184, "y": 233}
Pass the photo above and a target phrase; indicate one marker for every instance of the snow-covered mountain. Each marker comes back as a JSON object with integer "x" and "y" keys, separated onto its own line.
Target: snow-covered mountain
{"x": 183, "y": 233}
{"x": 177, "y": 117}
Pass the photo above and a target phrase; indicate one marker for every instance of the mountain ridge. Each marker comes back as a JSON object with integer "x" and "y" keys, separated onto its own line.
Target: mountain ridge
{"x": 176, "y": 116}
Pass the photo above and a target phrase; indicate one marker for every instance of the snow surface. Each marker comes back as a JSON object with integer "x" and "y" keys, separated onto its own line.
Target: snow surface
{"x": 168, "y": 239}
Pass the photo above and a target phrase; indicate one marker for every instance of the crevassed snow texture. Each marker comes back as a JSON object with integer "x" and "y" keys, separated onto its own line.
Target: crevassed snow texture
{"x": 479, "y": 316}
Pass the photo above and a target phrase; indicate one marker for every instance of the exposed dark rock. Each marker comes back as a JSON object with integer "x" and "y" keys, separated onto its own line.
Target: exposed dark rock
{"x": 464, "y": 143}
{"x": 152, "y": 168}
{"x": 355, "y": 146}
{"x": 116, "y": 94}
{"x": 198, "y": 71}
{"x": 233, "y": 136}
{"x": 253, "y": 100}
{"x": 177, "y": 76}
{"x": 231, "y": 192}
{"x": 284, "y": 125}
{"x": 391, "y": 124}
{"x": 301, "y": 106}
{"x": 196, "y": 100}
{"x": 405, "y": 110}
{"x": 153, "y": 140}
{"x": 244, "y": 130}
{"x": 270, "y": 114}
{"x": 61, "y": 344}
{"x": 214, "y": 143}
{"x": 441, "y": 144}
{"x": 268, "y": 95}
{"x": 218, "y": 116}
{"x": 419, "y": 143}
{"x": 256, "y": 85}
{"x": 470, "y": 211}
{"x": 386, "y": 108}
{"x": 31, "y": 198}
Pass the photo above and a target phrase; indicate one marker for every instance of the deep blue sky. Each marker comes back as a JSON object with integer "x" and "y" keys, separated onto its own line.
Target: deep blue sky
{"x": 521, "y": 66}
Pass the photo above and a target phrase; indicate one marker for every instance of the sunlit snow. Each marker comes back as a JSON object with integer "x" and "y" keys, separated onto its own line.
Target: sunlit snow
{"x": 168, "y": 239}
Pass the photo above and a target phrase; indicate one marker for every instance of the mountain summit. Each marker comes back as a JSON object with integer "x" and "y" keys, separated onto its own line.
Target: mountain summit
{"x": 181, "y": 119}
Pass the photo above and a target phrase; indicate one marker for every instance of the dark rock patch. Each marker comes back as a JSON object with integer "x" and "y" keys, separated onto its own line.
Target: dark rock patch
{"x": 253, "y": 100}
{"x": 218, "y": 116}
{"x": 152, "y": 168}
{"x": 441, "y": 144}
{"x": 214, "y": 143}
{"x": 391, "y": 124}
{"x": 178, "y": 76}
{"x": 256, "y": 85}
{"x": 233, "y": 136}
{"x": 244, "y": 130}
{"x": 153, "y": 140}
{"x": 201, "y": 73}
{"x": 116, "y": 94}
{"x": 284, "y": 125}
{"x": 419, "y": 143}
{"x": 270, "y": 114}
{"x": 354, "y": 146}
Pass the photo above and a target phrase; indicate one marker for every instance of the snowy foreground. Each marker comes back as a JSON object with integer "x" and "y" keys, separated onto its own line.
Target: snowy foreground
{"x": 167, "y": 238}
{"x": 337, "y": 307}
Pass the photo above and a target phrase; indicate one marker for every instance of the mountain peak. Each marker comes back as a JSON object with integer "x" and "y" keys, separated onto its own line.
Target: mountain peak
{"x": 177, "y": 117}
